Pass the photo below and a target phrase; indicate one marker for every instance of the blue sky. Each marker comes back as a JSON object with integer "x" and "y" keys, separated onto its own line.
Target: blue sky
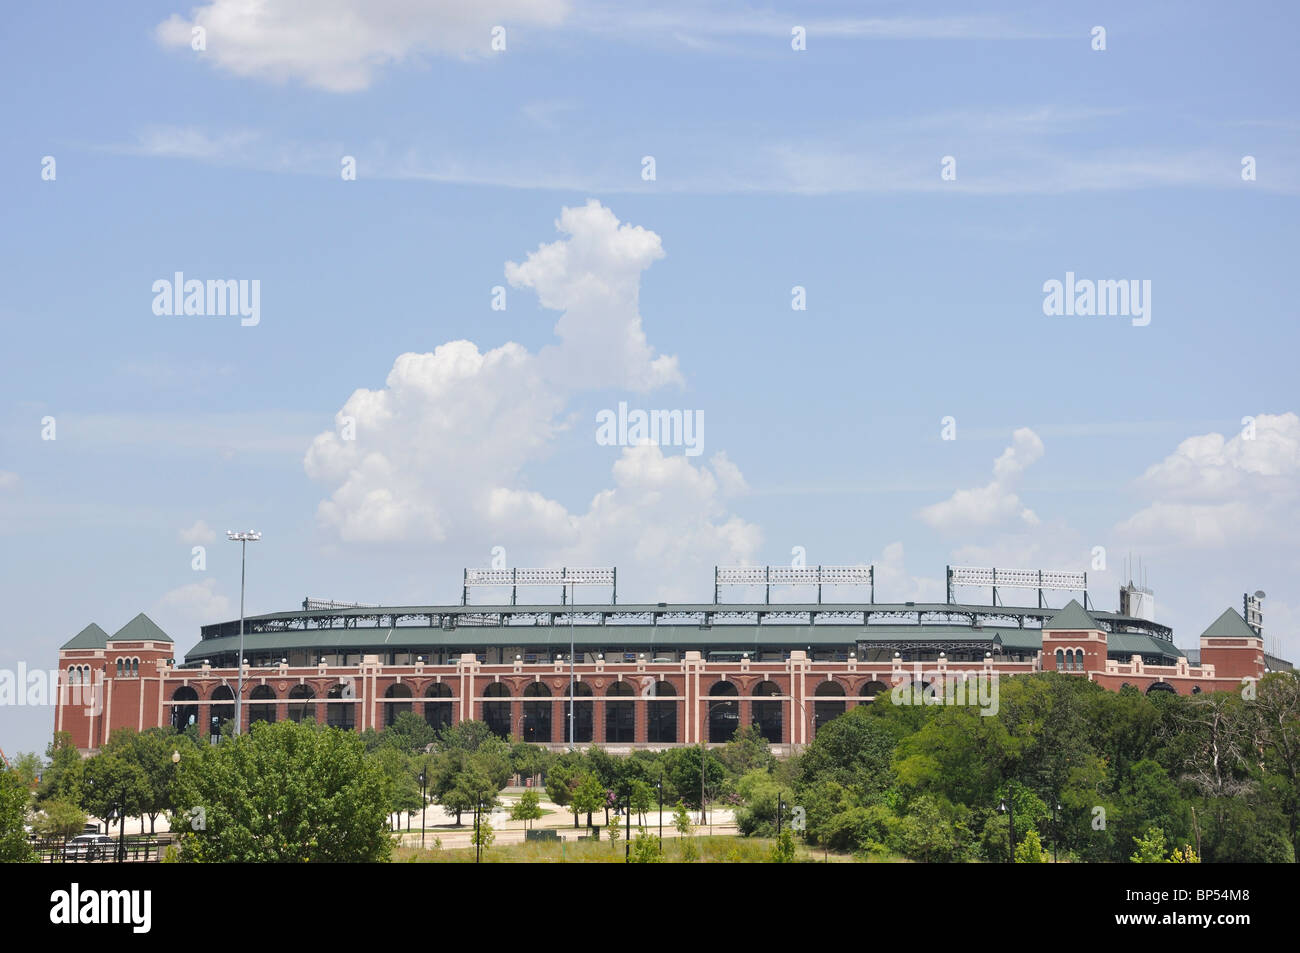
{"x": 774, "y": 168}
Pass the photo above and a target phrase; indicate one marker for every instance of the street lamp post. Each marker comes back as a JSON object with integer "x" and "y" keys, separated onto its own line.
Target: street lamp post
{"x": 660, "y": 785}
{"x": 424, "y": 802}
{"x": 243, "y": 539}
{"x": 1056, "y": 828}
{"x": 1008, "y": 807}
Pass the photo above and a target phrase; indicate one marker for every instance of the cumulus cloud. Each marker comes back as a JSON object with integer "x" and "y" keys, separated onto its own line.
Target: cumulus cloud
{"x": 200, "y": 532}
{"x": 182, "y": 610}
{"x": 441, "y": 451}
{"x": 1219, "y": 491}
{"x": 338, "y": 45}
{"x": 895, "y": 584}
{"x": 996, "y": 502}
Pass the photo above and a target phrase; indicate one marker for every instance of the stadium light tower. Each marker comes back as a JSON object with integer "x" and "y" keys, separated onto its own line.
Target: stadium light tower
{"x": 243, "y": 539}
{"x": 572, "y": 583}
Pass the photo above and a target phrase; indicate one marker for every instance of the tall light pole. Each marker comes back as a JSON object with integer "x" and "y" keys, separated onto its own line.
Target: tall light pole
{"x": 573, "y": 587}
{"x": 243, "y": 539}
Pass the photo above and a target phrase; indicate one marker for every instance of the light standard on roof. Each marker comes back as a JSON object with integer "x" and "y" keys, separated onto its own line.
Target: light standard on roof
{"x": 243, "y": 539}
{"x": 573, "y": 586}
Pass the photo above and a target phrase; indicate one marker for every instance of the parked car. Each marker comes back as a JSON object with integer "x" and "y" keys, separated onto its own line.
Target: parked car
{"x": 89, "y": 847}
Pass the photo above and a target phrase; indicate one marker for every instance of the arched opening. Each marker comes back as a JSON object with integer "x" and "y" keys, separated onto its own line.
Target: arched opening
{"x": 393, "y": 709}
{"x": 1060, "y": 660}
{"x": 341, "y": 710}
{"x": 872, "y": 690}
{"x": 222, "y": 710}
{"x": 119, "y": 668}
{"x": 620, "y": 716}
{"x": 537, "y": 714}
{"x": 661, "y": 716}
{"x": 185, "y": 707}
{"x": 724, "y": 712}
{"x": 579, "y": 712}
{"x": 437, "y": 706}
{"x": 824, "y": 711}
{"x": 1161, "y": 687}
{"x": 496, "y": 714}
{"x": 300, "y": 707}
{"x": 262, "y": 712}
{"x": 766, "y": 715}
{"x": 135, "y": 668}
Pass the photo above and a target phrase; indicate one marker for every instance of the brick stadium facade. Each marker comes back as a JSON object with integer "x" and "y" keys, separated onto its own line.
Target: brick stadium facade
{"x": 659, "y": 680}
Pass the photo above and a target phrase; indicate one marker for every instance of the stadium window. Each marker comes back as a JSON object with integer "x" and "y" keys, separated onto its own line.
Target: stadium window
{"x": 661, "y": 716}
{"x": 766, "y": 715}
{"x": 1060, "y": 660}
{"x": 135, "y": 668}
{"x": 119, "y": 668}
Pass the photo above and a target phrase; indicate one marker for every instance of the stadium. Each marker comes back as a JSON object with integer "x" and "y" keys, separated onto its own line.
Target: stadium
{"x": 641, "y": 675}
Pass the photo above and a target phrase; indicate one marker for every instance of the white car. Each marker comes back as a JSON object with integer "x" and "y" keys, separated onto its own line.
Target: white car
{"x": 89, "y": 847}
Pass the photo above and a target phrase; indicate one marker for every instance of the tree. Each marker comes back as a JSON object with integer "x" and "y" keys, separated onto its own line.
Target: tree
{"x": 1030, "y": 850}
{"x": 468, "y": 735}
{"x": 409, "y": 733}
{"x": 783, "y": 849}
{"x": 527, "y": 808}
{"x": 285, "y": 792}
{"x": 60, "y": 821}
{"x": 114, "y": 787}
{"x": 589, "y": 796}
{"x": 682, "y": 820}
{"x": 62, "y": 777}
{"x": 559, "y": 787}
{"x": 615, "y": 827}
{"x": 27, "y": 765}
{"x": 151, "y": 751}
{"x": 646, "y": 849}
{"x": 1150, "y": 847}
{"x": 747, "y": 751}
{"x": 14, "y": 800}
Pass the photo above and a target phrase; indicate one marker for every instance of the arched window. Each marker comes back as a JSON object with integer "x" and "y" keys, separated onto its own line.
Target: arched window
{"x": 1078, "y": 660}
{"x": 119, "y": 668}
{"x": 1060, "y": 660}
{"x": 341, "y": 711}
{"x": 261, "y": 712}
{"x": 396, "y": 690}
{"x": 872, "y": 690}
{"x": 620, "y": 716}
{"x": 766, "y": 715}
{"x": 437, "y": 706}
{"x": 222, "y": 710}
{"x": 135, "y": 668}
{"x": 74, "y": 677}
{"x": 581, "y": 706}
{"x": 824, "y": 711}
{"x": 497, "y": 713}
{"x": 300, "y": 707}
{"x": 185, "y": 707}
{"x": 724, "y": 712}
{"x": 661, "y": 714}
{"x": 537, "y": 713}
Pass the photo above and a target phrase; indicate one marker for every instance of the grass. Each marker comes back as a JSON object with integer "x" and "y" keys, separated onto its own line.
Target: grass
{"x": 719, "y": 849}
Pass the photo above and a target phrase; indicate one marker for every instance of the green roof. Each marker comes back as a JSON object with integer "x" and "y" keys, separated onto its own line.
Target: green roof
{"x": 1230, "y": 625}
{"x": 1073, "y": 616}
{"x": 141, "y": 629}
{"x": 91, "y": 637}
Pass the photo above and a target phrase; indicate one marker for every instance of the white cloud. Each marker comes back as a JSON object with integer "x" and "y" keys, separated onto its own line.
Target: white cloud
{"x": 338, "y": 45}
{"x": 200, "y": 532}
{"x": 1218, "y": 491}
{"x": 996, "y": 502}
{"x": 895, "y": 584}
{"x": 441, "y": 451}
{"x": 189, "y": 606}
